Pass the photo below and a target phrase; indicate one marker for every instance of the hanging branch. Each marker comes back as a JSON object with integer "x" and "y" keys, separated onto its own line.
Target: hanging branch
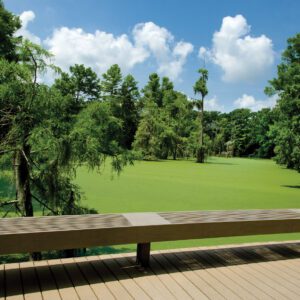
{"x": 12, "y": 203}
{"x": 44, "y": 205}
{"x": 8, "y": 203}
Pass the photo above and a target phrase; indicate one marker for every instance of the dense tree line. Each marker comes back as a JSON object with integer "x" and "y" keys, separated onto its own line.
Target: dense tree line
{"x": 47, "y": 131}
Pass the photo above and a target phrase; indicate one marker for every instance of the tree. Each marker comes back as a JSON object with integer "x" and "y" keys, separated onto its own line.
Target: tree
{"x": 46, "y": 139}
{"x": 201, "y": 88}
{"x": 152, "y": 90}
{"x": 123, "y": 96}
{"x": 148, "y": 136}
{"x": 19, "y": 90}
{"x": 111, "y": 82}
{"x": 81, "y": 83}
{"x": 241, "y": 131}
{"x": 9, "y": 24}
{"x": 287, "y": 86}
{"x": 129, "y": 112}
{"x": 262, "y": 141}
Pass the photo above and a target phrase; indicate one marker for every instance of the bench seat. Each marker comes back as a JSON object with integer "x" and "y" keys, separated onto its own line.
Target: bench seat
{"x": 32, "y": 234}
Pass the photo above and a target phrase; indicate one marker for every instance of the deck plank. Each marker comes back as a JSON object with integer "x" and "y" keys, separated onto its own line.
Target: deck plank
{"x": 30, "y": 282}
{"x": 259, "y": 271}
{"x": 46, "y": 281}
{"x": 94, "y": 280}
{"x": 82, "y": 287}
{"x": 131, "y": 286}
{"x": 143, "y": 277}
{"x": 276, "y": 268}
{"x": 114, "y": 286}
{"x": 196, "y": 277}
{"x": 261, "y": 286}
{"x": 268, "y": 274}
{"x": 186, "y": 284}
{"x": 293, "y": 267}
{"x": 13, "y": 282}
{"x": 248, "y": 286}
{"x": 160, "y": 285}
{"x": 220, "y": 271}
{"x": 2, "y": 282}
{"x": 177, "y": 291}
{"x": 63, "y": 282}
{"x": 207, "y": 273}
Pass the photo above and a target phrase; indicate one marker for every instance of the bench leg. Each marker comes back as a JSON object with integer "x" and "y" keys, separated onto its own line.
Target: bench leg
{"x": 143, "y": 254}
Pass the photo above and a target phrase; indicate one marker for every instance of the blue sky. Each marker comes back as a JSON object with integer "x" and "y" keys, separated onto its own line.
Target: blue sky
{"x": 241, "y": 41}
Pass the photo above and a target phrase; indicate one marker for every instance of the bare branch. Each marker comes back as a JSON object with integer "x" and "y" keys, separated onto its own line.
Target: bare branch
{"x": 45, "y": 205}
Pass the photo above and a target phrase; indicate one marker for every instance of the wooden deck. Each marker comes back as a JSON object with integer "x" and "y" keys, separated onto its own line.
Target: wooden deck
{"x": 254, "y": 271}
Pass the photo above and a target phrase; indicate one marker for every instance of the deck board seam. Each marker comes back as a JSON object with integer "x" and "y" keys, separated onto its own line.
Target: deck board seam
{"x": 110, "y": 288}
{"x": 191, "y": 255}
{"x": 241, "y": 281}
{"x": 121, "y": 280}
{"x": 223, "y": 270}
{"x": 169, "y": 278}
{"x": 265, "y": 272}
{"x": 124, "y": 256}
{"x": 170, "y": 274}
{"x": 189, "y": 269}
{"x": 252, "y": 278}
{"x": 85, "y": 278}
{"x": 183, "y": 273}
{"x": 167, "y": 287}
{"x": 101, "y": 277}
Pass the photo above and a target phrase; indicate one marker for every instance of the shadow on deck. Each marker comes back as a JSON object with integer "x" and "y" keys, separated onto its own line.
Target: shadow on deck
{"x": 252, "y": 271}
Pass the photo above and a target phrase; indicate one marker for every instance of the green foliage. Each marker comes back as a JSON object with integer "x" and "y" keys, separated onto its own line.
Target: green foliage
{"x": 152, "y": 90}
{"x": 262, "y": 141}
{"x": 241, "y": 131}
{"x": 164, "y": 126}
{"x": 81, "y": 83}
{"x": 201, "y": 84}
{"x": 49, "y": 131}
{"x": 147, "y": 138}
{"x": 9, "y": 24}
{"x": 123, "y": 95}
{"x": 111, "y": 82}
{"x": 286, "y": 130}
{"x": 129, "y": 110}
{"x": 96, "y": 135}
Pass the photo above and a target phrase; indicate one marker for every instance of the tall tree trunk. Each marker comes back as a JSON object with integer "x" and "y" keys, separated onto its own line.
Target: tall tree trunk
{"x": 200, "y": 152}
{"x": 22, "y": 179}
{"x": 175, "y": 153}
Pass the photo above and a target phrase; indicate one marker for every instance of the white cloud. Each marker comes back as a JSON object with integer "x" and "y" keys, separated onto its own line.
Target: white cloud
{"x": 158, "y": 40}
{"x": 100, "y": 50}
{"x": 27, "y": 17}
{"x": 240, "y": 56}
{"x": 247, "y": 101}
{"x": 213, "y": 105}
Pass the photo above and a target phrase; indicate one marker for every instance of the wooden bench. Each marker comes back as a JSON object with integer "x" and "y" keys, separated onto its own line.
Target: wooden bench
{"x": 18, "y": 235}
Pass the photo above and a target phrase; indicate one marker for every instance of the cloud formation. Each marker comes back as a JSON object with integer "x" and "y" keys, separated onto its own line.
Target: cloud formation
{"x": 158, "y": 41}
{"x": 213, "y": 105}
{"x": 240, "y": 56}
{"x": 247, "y": 101}
{"x": 100, "y": 50}
{"x": 27, "y": 17}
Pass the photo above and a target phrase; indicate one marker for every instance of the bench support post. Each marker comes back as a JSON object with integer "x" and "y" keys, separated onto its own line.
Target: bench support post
{"x": 143, "y": 254}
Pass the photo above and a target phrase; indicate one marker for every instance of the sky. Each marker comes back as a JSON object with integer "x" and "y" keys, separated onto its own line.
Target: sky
{"x": 240, "y": 42}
